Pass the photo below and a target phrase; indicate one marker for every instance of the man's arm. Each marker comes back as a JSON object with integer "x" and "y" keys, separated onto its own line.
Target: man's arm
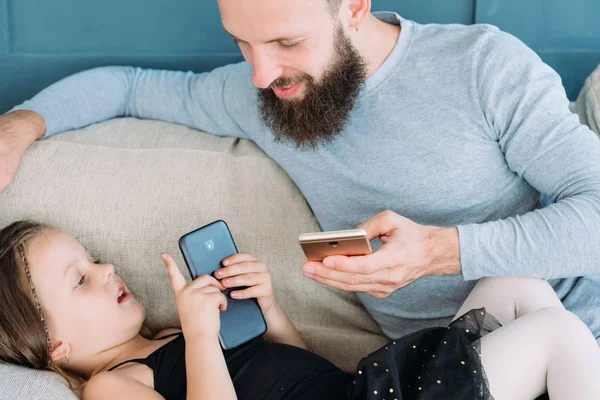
{"x": 17, "y": 131}
{"x": 543, "y": 142}
{"x": 218, "y": 102}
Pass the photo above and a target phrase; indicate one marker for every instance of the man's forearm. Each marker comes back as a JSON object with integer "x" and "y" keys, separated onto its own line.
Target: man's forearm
{"x": 185, "y": 98}
{"x": 18, "y": 130}
{"x": 22, "y": 127}
{"x": 82, "y": 99}
{"x": 444, "y": 250}
{"x": 559, "y": 241}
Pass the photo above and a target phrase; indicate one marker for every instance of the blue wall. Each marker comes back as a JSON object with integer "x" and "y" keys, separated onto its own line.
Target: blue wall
{"x": 43, "y": 41}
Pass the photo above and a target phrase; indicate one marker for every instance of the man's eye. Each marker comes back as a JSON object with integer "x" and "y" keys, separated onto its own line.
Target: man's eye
{"x": 289, "y": 45}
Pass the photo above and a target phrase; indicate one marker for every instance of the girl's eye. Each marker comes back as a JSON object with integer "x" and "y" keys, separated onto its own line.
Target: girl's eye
{"x": 81, "y": 281}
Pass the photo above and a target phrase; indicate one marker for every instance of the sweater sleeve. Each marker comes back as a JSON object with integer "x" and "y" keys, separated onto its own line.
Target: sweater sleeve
{"x": 217, "y": 102}
{"x": 527, "y": 113}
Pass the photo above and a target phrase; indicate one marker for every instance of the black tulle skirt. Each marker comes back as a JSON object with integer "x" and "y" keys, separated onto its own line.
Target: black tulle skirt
{"x": 434, "y": 363}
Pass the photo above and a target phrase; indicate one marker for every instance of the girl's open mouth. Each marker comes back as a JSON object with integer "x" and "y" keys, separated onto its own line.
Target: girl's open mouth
{"x": 123, "y": 294}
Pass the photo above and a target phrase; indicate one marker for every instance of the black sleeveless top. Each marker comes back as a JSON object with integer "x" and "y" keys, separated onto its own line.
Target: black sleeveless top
{"x": 259, "y": 370}
{"x": 433, "y": 364}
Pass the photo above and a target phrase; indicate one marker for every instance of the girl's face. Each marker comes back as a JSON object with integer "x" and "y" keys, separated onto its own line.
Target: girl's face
{"x": 81, "y": 297}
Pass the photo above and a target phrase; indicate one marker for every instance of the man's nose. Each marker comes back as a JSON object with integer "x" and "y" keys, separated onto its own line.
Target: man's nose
{"x": 266, "y": 69}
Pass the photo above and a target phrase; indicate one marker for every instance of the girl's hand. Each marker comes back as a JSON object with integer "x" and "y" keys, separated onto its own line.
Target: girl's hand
{"x": 199, "y": 304}
{"x": 244, "y": 269}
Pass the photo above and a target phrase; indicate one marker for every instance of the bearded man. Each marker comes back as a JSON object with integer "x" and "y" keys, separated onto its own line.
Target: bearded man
{"x": 455, "y": 131}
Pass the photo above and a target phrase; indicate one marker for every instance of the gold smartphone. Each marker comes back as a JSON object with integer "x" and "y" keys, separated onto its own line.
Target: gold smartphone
{"x": 318, "y": 245}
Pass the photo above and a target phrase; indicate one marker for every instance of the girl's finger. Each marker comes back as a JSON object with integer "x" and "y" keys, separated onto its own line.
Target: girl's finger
{"x": 220, "y": 300}
{"x": 251, "y": 279}
{"x": 206, "y": 280}
{"x": 237, "y": 258}
{"x": 240, "y": 268}
{"x": 177, "y": 280}
{"x": 208, "y": 289}
{"x": 253, "y": 292}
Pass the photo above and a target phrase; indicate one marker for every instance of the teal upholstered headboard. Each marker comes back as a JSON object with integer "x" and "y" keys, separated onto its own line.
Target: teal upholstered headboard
{"x": 43, "y": 41}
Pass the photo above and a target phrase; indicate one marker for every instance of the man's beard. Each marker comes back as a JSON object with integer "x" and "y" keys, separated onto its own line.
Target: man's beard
{"x": 323, "y": 112}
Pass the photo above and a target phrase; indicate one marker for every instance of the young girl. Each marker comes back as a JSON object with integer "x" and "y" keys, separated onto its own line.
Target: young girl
{"x": 63, "y": 311}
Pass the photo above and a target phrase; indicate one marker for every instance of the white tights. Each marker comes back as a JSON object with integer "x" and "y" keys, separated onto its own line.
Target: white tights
{"x": 540, "y": 347}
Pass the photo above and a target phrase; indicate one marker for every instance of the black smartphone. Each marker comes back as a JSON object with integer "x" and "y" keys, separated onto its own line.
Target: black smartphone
{"x": 203, "y": 251}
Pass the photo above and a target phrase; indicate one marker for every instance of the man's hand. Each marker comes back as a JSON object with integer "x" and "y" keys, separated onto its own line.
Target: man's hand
{"x": 18, "y": 130}
{"x": 410, "y": 251}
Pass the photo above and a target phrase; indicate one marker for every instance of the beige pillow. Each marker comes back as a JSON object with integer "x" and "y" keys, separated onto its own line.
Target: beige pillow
{"x": 128, "y": 189}
{"x": 588, "y": 102}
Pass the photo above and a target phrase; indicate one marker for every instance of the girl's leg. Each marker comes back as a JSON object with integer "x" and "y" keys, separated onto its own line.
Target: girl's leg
{"x": 548, "y": 349}
{"x": 510, "y": 298}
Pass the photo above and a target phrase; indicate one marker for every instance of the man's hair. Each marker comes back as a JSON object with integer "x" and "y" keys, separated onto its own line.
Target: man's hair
{"x": 334, "y": 6}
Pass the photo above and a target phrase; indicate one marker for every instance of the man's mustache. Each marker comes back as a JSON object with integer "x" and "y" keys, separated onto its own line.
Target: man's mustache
{"x": 282, "y": 82}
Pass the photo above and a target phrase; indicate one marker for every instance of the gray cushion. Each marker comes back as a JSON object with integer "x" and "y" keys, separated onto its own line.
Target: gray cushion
{"x": 128, "y": 189}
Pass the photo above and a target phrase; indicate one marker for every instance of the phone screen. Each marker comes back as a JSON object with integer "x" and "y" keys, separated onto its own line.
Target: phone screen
{"x": 203, "y": 251}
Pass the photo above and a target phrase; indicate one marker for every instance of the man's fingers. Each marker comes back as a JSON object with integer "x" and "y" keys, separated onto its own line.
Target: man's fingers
{"x": 383, "y": 276}
{"x": 177, "y": 280}
{"x": 378, "y": 295}
{"x": 361, "y": 288}
{"x": 342, "y": 277}
{"x": 355, "y": 264}
{"x": 381, "y": 259}
{"x": 380, "y": 225}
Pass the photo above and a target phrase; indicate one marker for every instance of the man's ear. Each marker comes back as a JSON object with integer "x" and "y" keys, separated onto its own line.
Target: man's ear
{"x": 60, "y": 349}
{"x": 358, "y": 11}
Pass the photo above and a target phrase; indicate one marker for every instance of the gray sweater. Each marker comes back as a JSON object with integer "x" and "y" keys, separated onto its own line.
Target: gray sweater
{"x": 461, "y": 126}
